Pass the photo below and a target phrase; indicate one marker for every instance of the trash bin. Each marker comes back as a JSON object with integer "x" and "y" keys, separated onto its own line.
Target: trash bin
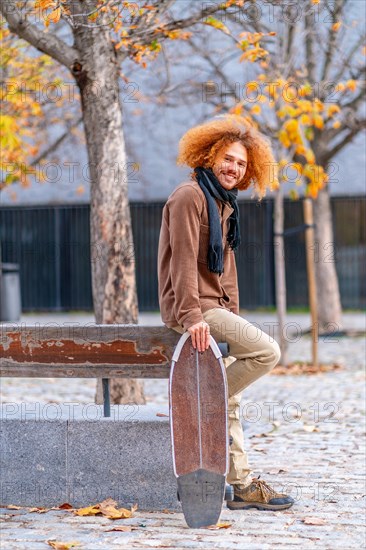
{"x": 10, "y": 303}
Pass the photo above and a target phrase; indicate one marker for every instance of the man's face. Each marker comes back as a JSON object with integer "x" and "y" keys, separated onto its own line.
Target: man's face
{"x": 231, "y": 167}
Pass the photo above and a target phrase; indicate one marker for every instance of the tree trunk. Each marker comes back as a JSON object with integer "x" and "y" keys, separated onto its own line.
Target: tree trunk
{"x": 329, "y": 300}
{"x": 280, "y": 272}
{"x": 112, "y": 257}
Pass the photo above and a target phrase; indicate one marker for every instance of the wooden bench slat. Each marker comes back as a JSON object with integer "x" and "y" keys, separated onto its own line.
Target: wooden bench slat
{"x": 89, "y": 351}
{"x": 39, "y": 370}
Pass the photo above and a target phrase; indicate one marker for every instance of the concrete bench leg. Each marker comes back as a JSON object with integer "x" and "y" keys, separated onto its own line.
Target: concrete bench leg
{"x": 71, "y": 453}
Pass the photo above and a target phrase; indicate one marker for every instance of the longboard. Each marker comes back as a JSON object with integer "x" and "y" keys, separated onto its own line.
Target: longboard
{"x": 199, "y": 431}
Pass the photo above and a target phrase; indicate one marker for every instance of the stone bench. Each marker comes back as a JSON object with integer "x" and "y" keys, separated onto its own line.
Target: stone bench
{"x": 55, "y": 453}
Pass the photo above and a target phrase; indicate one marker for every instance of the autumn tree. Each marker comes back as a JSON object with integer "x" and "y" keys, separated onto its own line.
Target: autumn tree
{"x": 101, "y": 36}
{"x": 307, "y": 95}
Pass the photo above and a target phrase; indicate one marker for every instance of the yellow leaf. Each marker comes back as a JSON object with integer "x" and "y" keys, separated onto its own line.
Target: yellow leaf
{"x": 88, "y": 511}
{"x": 237, "y": 109}
{"x": 318, "y": 121}
{"x": 44, "y": 4}
{"x": 109, "y": 510}
{"x": 337, "y": 124}
{"x": 94, "y": 16}
{"x": 252, "y": 86}
{"x": 315, "y": 1}
{"x": 291, "y": 126}
{"x": 300, "y": 150}
{"x": 58, "y": 545}
{"x": 336, "y": 26}
{"x": 351, "y": 85}
{"x": 256, "y": 109}
{"x": 80, "y": 190}
{"x": 283, "y": 137}
{"x": 253, "y": 54}
{"x": 55, "y": 15}
{"x": 310, "y": 157}
{"x": 332, "y": 109}
{"x": 305, "y": 119}
{"x": 212, "y": 22}
{"x": 282, "y": 163}
{"x": 305, "y": 90}
{"x": 298, "y": 167}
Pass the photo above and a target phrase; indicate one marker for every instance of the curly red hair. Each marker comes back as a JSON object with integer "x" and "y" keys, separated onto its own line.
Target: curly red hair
{"x": 205, "y": 144}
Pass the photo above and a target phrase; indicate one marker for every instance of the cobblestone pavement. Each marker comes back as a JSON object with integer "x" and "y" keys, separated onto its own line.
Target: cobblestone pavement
{"x": 304, "y": 434}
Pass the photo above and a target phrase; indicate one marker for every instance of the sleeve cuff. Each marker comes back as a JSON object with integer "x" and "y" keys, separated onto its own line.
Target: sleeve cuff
{"x": 190, "y": 319}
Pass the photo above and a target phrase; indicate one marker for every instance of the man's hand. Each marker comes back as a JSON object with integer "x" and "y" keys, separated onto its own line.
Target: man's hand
{"x": 200, "y": 333}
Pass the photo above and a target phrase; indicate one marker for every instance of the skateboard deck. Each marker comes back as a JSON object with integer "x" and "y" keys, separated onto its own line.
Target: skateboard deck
{"x": 199, "y": 431}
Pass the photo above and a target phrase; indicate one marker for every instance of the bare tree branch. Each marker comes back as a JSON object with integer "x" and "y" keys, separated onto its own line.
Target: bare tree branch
{"x": 310, "y": 46}
{"x": 331, "y": 152}
{"x": 159, "y": 31}
{"x": 346, "y": 62}
{"x": 332, "y": 38}
{"x": 51, "y": 148}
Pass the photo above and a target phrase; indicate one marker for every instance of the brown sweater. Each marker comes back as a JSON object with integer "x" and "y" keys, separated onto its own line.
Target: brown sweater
{"x": 186, "y": 286}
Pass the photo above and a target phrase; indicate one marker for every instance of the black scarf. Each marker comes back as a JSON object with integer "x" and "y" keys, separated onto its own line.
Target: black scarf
{"x": 211, "y": 187}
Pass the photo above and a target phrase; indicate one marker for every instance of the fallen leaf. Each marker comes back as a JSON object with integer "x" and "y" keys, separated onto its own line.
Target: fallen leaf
{"x": 166, "y": 511}
{"x": 64, "y": 506}
{"x": 88, "y": 511}
{"x": 224, "y": 525}
{"x": 121, "y": 528}
{"x": 162, "y": 414}
{"x": 58, "y": 545}
{"x": 314, "y": 521}
{"x": 111, "y": 512}
{"x": 13, "y": 507}
{"x": 40, "y": 510}
{"x": 108, "y": 509}
{"x": 309, "y": 428}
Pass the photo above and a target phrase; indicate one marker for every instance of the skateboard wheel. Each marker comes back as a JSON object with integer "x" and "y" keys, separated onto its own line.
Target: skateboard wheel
{"x": 229, "y": 492}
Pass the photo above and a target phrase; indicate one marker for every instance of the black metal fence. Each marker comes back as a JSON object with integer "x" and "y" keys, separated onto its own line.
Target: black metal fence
{"x": 51, "y": 244}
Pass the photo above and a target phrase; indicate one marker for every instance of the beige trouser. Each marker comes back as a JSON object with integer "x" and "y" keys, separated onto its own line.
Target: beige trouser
{"x": 253, "y": 353}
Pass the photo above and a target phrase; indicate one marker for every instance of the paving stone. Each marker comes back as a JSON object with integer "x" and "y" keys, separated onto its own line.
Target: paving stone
{"x": 324, "y": 468}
